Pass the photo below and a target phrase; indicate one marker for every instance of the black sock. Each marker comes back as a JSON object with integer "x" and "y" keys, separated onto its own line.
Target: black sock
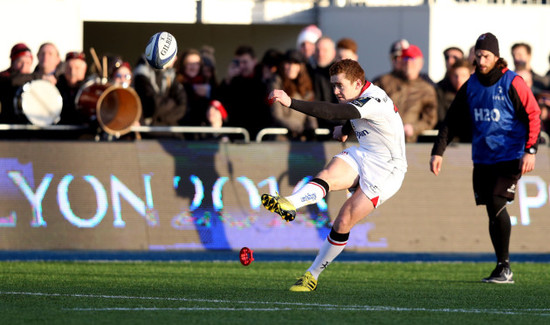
{"x": 335, "y": 236}
{"x": 500, "y": 228}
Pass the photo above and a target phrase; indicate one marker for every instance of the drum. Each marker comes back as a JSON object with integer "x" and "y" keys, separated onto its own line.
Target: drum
{"x": 39, "y": 101}
{"x": 115, "y": 108}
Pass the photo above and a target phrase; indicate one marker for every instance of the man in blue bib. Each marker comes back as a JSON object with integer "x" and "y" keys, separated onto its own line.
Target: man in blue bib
{"x": 500, "y": 114}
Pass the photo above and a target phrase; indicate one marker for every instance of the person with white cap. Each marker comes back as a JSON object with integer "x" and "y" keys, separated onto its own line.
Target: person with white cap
{"x": 306, "y": 40}
{"x": 500, "y": 113}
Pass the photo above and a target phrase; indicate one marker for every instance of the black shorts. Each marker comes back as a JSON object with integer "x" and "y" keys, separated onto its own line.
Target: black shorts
{"x": 497, "y": 179}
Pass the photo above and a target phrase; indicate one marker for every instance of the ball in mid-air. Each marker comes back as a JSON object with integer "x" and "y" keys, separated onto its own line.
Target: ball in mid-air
{"x": 161, "y": 50}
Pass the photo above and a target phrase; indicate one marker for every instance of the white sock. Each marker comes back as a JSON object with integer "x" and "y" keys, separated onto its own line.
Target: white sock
{"x": 310, "y": 193}
{"x": 328, "y": 252}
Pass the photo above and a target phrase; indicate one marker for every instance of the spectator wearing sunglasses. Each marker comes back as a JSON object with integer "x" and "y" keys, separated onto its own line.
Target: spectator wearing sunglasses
{"x": 122, "y": 74}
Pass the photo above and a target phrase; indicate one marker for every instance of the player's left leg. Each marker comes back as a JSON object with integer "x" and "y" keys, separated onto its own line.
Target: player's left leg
{"x": 499, "y": 229}
{"x": 337, "y": 175}
{"x": 357, "y": 207}
{"x": 501, "y": 190}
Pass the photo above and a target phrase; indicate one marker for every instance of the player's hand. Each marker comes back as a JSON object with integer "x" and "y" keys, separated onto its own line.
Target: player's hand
{"x": 338, "y": 135}
{"x": 435, "y": 164}
{"x": 280, "y": 96}
{"x": 527, "y": 163}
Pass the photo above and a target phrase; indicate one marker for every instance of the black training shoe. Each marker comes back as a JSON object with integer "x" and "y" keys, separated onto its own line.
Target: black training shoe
{"x": 501, "y": 274}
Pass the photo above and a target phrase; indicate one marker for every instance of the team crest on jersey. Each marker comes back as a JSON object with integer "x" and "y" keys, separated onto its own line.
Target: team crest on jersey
{"x": 361, "y": 101}
{"x": 499, "y": 95}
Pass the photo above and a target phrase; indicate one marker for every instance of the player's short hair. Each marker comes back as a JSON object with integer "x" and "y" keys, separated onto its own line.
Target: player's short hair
{"x": 350, "y": 68}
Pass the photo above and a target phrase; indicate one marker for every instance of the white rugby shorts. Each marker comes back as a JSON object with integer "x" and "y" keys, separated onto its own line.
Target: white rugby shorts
{"x": 378, "y": 180}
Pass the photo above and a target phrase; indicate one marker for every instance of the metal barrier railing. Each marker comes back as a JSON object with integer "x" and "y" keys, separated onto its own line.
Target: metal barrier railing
{"x": 194, "y": 129}
{"x": 197, "y": 130}
{"x": 283, "y": 131}
{"x": 140, "y": 129}
{"x": 31, "y": 127}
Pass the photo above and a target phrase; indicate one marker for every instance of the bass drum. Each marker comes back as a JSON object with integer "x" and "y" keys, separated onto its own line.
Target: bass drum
{"x": 39, "y": 101}
{"x": 115, "y": 108}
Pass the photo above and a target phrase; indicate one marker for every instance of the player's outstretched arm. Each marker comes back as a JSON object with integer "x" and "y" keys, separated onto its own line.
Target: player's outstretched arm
{"x": 435, "y": 164}
{"x": 325, "y": 110}
{"x": 280, "y": 96}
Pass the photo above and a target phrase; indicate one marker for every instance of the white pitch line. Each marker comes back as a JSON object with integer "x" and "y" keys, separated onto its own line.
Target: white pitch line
{"x": 301, "y": 306}
{"x": 76, "y": 295}
{"x": 179, "y": 309}
{"x": 364, "y": 308}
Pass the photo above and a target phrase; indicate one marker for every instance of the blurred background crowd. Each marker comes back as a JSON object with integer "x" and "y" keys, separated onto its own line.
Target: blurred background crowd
{"x": 44, "y": 87}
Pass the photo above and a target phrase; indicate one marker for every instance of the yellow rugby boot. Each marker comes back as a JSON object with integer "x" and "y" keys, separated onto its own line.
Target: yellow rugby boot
{"x": 279, "y": 205}
{"x": 305, "y": 283}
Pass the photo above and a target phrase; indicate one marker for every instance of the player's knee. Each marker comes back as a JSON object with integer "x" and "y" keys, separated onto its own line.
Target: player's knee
{"x": 496, "y": 205}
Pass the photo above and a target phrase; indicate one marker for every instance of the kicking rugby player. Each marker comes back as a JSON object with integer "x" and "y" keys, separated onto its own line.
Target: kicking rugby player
{"x": 376, "y": 166}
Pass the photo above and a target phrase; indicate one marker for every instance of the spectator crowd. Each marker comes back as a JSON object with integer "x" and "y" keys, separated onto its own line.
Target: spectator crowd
{"x": 189, "y": 92}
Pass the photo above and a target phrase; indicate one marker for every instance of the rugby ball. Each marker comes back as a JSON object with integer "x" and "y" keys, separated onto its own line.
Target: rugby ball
{"x": 161, "y": 50}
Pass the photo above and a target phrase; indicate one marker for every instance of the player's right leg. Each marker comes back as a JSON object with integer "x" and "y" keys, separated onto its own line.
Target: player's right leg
{"x": 305, "y": 283}
{"x": 354, "y": 210}
{"x": 375, "y": 187}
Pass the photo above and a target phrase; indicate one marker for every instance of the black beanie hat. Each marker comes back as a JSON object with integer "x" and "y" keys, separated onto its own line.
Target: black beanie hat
{"x": 488, "y": 42}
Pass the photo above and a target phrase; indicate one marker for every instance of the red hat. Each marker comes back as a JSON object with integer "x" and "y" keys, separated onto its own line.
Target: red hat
{"x": 19, "y": 50}
{"x": 127, "y": 65}
{"x": 412, "y": 51}
{"x": 397, "y": 47}
{"x": 75, "y": 55}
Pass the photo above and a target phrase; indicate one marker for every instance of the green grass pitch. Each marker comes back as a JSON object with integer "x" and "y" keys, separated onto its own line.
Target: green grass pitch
{"x": 229, "y": 293}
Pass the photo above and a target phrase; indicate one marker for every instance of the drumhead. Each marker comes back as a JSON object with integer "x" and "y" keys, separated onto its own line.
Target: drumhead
{"x": 41, "y": 102}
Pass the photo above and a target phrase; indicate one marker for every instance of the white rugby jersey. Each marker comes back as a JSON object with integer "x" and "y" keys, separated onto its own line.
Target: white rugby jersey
{"x": 380, "y": 128}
